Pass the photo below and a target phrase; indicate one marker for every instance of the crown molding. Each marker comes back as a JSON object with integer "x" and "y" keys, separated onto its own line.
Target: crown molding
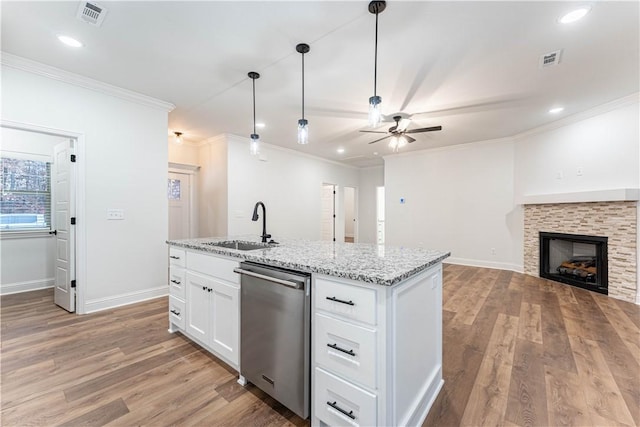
{"x": 625, "y": 101}
{"x": 30, "y": 66}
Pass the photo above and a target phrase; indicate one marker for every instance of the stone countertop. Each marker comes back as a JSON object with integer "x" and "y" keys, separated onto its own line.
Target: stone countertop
{"x": 376, "y": 264}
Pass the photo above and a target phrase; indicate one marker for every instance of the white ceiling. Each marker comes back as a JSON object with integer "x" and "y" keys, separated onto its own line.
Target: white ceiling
{"x": 471, "y": 67}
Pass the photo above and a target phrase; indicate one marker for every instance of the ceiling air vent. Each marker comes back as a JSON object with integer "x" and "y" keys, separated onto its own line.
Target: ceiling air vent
{"x": 91, "y": 13}
{"x": 550, "y": 59}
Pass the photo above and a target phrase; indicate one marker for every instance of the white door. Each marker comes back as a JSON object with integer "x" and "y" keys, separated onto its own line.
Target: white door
{"x": 63, "y": 211}
{"x": 225, "y": 321}
{"x": 350, "y": 226}
{"x": 328, "y": 206}
{"x": 178, "y": 192}
{"x": 380, "y": 200}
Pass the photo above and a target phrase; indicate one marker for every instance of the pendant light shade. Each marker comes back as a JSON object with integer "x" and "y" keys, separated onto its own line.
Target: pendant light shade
{"x": 254, "y": 145}
{"x": 375, "y": 115}
{"x": 303, "y": 124}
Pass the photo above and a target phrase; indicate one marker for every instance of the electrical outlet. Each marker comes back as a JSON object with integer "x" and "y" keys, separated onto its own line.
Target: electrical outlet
{"x": 559, "y": 175}
{"x": 579, "y": 171}
{"x": 115, "y": 214}
{"x": 493, "y": 251}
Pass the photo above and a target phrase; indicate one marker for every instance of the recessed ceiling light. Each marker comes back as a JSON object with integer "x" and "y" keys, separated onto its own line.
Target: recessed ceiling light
{"x": 260, "y": 125}
{"x": 340, "y": 150}
{"x": 556, "y": 110}
{"x": 375, "y": 153}
{"x": 575, "y": 15}
{"x": 69, "y": 41}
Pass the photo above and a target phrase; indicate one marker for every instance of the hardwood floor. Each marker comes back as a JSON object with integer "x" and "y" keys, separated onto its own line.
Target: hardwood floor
{"x": 518, "y": 351}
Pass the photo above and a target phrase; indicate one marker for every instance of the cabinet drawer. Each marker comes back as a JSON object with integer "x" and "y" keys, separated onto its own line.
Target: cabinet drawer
{"x": 339, "y": 403}
{"x": 176, "y": 257}
{"x": 213, "y": 266}
{"x": 177, "y": 312}
{"x": 346, "y": 349}
{"x": 351, "y": 302}
{"x": 177, "y": 282}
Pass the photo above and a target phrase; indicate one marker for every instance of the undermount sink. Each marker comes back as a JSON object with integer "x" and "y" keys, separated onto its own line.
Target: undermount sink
{"x": 240, "y": 245}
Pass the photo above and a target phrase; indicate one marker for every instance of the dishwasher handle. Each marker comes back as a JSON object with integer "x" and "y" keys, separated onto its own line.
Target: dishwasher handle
{"x": 289, "y": 283}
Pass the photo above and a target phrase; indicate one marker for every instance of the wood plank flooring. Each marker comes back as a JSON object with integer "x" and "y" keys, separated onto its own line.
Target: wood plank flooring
{"x": 518, "y": 351}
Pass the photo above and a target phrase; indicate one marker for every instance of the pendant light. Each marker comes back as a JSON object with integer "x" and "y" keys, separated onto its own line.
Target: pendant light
{"x": 375, "y": 115}
{"x": 178, "y": 137}
{"x": 303, "y": 124}
{"x": 254, "y": 145}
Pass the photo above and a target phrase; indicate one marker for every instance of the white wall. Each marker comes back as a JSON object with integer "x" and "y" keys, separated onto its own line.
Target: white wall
{"x": 458, "y": 199}
{"x": 185, "y": 153}
{"x": 212, "y": 188}
{"x": 289, "y": 184}
{"x": 606, "y": 147}
{"x": 27, "y": 263}
{"x": 125, "y": 166}
{"x": 368, "y": 180}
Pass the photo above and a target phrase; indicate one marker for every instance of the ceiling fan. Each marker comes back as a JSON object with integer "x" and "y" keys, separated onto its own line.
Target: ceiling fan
{"x": 399, "y": 132}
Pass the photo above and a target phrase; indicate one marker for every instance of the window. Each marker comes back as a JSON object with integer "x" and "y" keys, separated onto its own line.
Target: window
{"x": 25, "y": 201}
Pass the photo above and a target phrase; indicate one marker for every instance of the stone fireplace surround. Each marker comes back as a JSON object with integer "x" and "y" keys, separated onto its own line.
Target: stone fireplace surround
{"x": 618, "y": 220}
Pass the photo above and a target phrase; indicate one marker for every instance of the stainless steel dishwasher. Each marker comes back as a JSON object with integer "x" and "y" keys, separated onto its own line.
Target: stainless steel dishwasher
{"x": 275, "y": 333}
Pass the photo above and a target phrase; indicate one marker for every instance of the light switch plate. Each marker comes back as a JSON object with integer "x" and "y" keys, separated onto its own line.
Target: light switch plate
{"x": 115, "y": 214}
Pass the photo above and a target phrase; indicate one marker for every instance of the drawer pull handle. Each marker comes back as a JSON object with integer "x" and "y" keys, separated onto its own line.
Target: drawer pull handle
{"x": 177, "y": 282}
{"x": 176, "y": 312}
{"x": 335, "y": 347}
{"x": 335, "y": 406}
{"x": 334, "y": 299}
{"x": 174, "y": 257}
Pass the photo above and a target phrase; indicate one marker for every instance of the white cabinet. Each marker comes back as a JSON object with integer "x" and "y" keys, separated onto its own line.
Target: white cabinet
{"x": 377, "y": 350}
{"x": 205, "y": 292}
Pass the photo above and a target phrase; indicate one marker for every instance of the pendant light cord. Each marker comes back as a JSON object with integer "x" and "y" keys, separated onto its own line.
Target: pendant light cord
{"x": 375, "y": 63}
{"x": 303, "y": 86}
{"x": 254, "y": 105}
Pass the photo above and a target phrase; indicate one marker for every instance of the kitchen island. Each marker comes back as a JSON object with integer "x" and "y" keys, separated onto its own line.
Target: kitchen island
{"x": 376, "y": 320}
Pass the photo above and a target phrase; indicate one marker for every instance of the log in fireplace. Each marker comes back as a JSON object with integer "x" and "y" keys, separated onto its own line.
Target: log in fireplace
{"x": 575, "y": 259}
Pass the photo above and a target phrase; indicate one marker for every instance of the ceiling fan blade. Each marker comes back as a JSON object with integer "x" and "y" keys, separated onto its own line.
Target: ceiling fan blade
{"x": 404, "y": 123}
{"x": 431, "y": 129}
{"x": 373, "y": 131}
{"x": 409, "y": 139}
{"x": 388, "y": 136}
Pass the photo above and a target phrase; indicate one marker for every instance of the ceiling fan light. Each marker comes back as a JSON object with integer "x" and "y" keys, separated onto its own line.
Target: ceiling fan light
{"x": 393, "y": 143}
{"x": 254, "y": 145}
{"x": 303, "y": 131}
{"x": 375, "y": 114}
{"x": 402, "y": 141}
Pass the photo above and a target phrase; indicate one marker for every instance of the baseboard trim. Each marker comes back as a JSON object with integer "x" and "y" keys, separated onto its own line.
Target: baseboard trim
{"x": 99, "y": 304}
{"x": 30, "y": 285}
{"x": 485, "y": 264}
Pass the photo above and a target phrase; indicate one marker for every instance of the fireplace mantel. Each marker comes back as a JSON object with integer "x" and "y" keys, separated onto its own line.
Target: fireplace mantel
{"x": 612, "y": 195}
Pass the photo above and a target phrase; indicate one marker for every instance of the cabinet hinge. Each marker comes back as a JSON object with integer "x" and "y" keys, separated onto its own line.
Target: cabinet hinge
{"x": 73, "y": 283}
{"x": 73, "y": 220}
{"x": 73, "y": 158}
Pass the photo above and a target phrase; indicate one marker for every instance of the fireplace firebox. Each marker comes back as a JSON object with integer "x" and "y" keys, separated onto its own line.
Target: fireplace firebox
{"x": 575, "y": 259}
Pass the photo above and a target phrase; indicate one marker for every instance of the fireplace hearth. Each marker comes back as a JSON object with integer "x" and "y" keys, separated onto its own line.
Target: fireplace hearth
{"x": 575, "y": 259}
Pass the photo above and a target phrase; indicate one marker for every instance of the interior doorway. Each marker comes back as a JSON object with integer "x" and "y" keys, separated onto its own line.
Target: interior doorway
{"x": 328, "y": 213}
{"x": 350, "y": 215}
{"x": 55, "y": 239}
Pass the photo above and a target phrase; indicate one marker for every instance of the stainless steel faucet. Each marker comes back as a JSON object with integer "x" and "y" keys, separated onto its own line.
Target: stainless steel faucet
{"x": 255, "y": 217}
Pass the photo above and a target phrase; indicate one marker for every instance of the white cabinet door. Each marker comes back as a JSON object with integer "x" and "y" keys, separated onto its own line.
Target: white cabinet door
{"x": 225, "y": 308}
{"x": 198, "y": 306}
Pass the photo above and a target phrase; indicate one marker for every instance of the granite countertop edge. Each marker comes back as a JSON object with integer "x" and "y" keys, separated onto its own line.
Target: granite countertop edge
{"x": 422, "y": 259}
